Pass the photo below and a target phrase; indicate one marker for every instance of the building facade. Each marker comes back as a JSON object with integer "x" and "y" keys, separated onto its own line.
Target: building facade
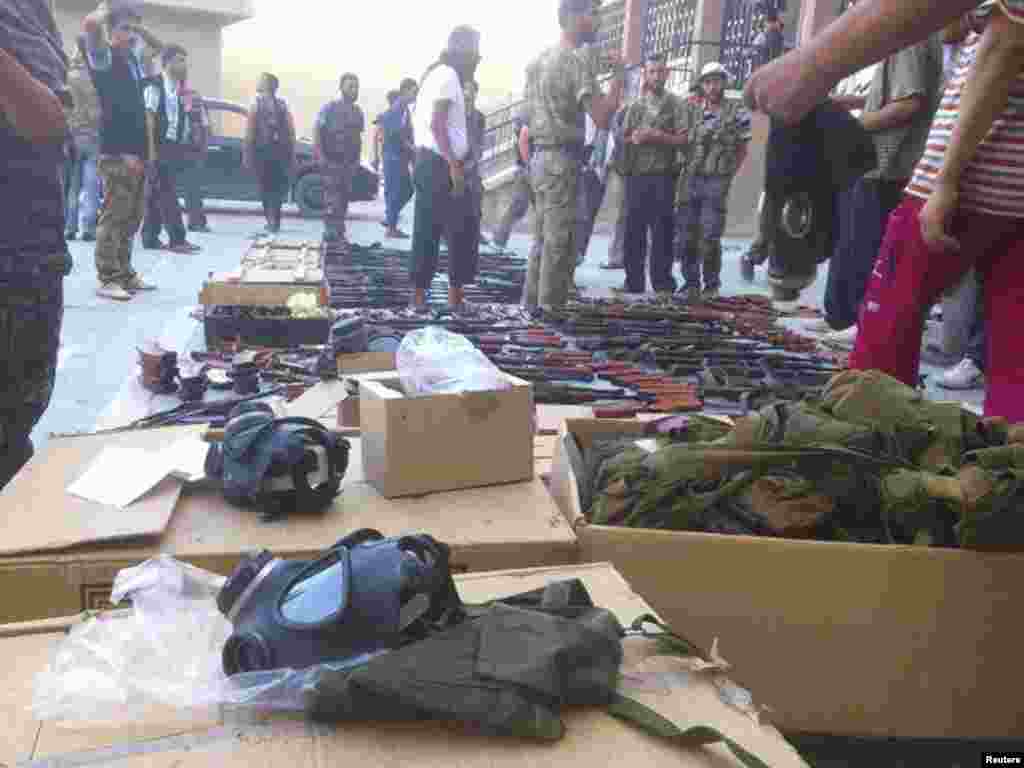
{"x": 196, "y": 25}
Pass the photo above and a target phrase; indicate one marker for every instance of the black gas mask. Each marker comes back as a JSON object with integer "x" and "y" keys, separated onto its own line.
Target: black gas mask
{"x": 280, "y": 466}
{"x": 366, "y": 594}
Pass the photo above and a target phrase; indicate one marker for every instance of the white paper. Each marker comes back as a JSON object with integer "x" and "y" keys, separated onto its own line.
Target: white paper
{"x": 118, "y": 476}
{"x": 650, "y": 445}
{"x": 186, "y": 459}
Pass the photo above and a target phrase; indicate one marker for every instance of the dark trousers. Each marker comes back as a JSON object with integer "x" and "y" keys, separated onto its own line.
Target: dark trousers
{"x": 162, "y": 207}
{"x": 194, "y": 193}
{"x": 650, "y": 205}
{"x": 862, "y": 215}
{"x": 522, "y": 199}
{"x": 397, "y": 187}
{"x": 30, "y": 321}
{"x": 437, "y": 212}
{"x": 272, "y": 173}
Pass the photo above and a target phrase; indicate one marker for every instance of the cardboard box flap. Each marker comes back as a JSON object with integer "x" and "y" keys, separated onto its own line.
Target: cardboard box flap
{"x": 318, "y": 400}
{"x": 506, "y": 515}
{"x": 592, "y": 736}
{"x": 37, "y": 514}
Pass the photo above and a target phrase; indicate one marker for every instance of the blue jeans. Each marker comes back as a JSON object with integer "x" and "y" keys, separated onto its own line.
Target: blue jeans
{"x": 397, "y": 186}
{"x": 83, "y": 191}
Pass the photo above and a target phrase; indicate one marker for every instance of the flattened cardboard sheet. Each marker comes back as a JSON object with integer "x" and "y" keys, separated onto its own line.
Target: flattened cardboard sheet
{"x": 37, "y": 514}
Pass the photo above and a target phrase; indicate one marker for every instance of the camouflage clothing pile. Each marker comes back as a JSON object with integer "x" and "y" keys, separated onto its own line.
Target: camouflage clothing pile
{"x": 868, "y": 461}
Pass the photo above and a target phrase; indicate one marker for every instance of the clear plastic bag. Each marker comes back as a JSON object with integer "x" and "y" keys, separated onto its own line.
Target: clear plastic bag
{"x": 164, "y": 653}
{"x": 433, "y": 361}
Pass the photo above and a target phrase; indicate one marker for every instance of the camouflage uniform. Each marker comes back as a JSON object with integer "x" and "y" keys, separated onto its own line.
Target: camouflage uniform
{"x": 340, "y": 127}
{"x": 33, "y": 255}
{"x": 702, "y": 192}
{"x": 124, "y": 203}
{"x": 559, "y": 85}
{"x": 650, "y": 172}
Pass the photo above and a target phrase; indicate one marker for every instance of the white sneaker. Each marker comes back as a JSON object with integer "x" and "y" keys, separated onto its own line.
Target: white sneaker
{"x": 844, "y": 339}
{"x": 113, "y": 291}
{"x": 964, "y": 375}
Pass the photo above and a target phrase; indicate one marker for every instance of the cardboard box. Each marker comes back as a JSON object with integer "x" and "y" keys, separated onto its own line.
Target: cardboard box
{"x": 414, "y": 445}
{"x": 845, "y": 639}
{"x": 592, "y": 736}
{"x": 365, "y": 362}
{"x": 57, "y": 568}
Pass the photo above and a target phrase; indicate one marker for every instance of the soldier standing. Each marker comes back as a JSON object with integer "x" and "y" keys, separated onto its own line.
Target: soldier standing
{"x": 338, "y": 145}
{"x": 33, "y": 255}
{"x": 270, "y": 148}
{"x": 441, "y": 129}
{"x": 561, "y": 87}
{"x": 113, "y": 46}
{"x": 653, "y": 130}
{"x": 719, "y": 134}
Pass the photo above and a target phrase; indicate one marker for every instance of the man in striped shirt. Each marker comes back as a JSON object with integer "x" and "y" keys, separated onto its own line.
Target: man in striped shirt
{"x": 964, "y": 207}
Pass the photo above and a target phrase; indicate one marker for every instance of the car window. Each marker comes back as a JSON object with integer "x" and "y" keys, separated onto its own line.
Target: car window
{"x": 227, "y": 123}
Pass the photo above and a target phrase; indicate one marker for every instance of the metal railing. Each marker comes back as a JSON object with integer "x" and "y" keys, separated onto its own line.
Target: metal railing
{"x": 740, "y": 59}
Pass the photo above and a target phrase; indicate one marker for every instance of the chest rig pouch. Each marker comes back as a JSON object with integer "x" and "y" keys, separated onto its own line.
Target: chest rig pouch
{"x": 365, "y": 594}
{"x": 340, "y": 134}
{"x": 280, "y": 466}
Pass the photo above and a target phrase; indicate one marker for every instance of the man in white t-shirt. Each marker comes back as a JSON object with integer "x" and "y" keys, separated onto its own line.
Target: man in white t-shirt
{"x": 442, "y": 145}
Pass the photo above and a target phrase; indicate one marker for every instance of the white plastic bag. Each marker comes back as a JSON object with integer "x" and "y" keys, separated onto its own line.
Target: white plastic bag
{"x": 165, "y": 653}
{"x": 432, "y": 361}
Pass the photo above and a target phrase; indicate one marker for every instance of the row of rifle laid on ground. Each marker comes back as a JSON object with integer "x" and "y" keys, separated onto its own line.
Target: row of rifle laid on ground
{"x": 378, "y": 277}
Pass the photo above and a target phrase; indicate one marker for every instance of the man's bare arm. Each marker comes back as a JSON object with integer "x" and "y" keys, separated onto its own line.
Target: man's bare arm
{"x": 33, "y": 110}
{"x": 792, "y": 85}
{"x": 892, "y": 115}
{"x": 999, "y": 61}
{"x": 92, "y": 25}
{"x": 524, "y": 144}
{"x": 439, "y": 127}
{"x": 152, "y": 42}
{"x": 151, "y": 139}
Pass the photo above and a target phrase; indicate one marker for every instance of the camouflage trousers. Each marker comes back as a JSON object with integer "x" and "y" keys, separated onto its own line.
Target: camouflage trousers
{"x": 337, "y": 192}
{"x": 123, "y": 206}
{"x": 554, "y": 176}
{"x": 700, "y": 223}
{"x": 31, "y": 312}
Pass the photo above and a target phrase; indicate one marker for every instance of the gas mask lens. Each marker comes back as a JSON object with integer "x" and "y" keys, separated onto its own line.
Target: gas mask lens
{"x": 317, "y": 596}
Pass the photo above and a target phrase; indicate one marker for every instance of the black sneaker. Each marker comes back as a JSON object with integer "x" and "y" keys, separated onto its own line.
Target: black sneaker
{"x": 70, "y": 235}
{"x": 154, "y": 245}
{"x": 199, "y": 228}
{"x": 88, "y": 237}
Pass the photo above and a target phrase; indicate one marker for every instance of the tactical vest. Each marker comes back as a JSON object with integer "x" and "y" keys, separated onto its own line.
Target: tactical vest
{"x": 271, "y": 123}
{"x": 123, "y": 122}
{"x": 714, "y": 145}
{"x": 340, "y": 136}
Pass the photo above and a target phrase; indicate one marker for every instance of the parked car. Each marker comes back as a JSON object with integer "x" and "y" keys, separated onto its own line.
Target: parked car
{"x": 223, "y": 177}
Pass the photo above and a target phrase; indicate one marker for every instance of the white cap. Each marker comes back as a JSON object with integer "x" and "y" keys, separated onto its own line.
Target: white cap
{"x": 712, "y": 69}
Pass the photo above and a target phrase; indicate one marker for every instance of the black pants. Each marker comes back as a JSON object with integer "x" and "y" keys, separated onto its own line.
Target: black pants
{"x": 650, "y": 205}
{"x": 437, "y": 212}
{"x": 162, "y": 207}
{"x": 862, "y": 215}
{"x": 194, "y": 193}
{"x": 272, "y": 172}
